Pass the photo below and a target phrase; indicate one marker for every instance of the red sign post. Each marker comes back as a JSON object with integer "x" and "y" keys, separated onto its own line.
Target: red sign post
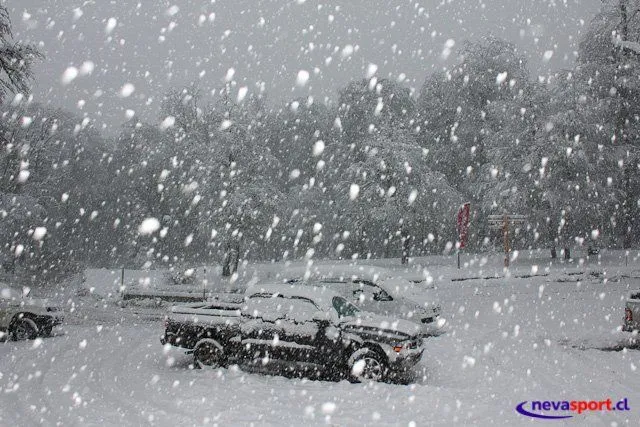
{"x": 462, "y": 225}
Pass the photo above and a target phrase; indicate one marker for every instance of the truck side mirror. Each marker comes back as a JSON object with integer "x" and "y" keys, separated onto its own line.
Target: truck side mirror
{"x": 382, "y": 296}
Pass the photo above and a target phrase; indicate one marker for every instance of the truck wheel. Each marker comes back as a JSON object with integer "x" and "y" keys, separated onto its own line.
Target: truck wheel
{"x": 46, "y": 331}
{"x": 208, "y": 354}
{"x": 367, "y": 365}
{"x": 24, "y": 329}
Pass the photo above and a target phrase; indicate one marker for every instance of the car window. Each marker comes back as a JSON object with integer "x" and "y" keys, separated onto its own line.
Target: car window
{"x": 344, "y": 307}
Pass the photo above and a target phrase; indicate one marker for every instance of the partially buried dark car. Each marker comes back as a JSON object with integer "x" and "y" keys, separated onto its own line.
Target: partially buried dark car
{"x": 23, "y": 317}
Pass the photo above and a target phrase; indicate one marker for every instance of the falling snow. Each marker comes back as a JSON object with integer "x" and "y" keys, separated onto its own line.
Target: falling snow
{"x": 480, "y": 158}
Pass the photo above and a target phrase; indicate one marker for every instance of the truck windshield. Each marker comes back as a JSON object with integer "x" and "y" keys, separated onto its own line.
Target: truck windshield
{"x": 344, "y": 307}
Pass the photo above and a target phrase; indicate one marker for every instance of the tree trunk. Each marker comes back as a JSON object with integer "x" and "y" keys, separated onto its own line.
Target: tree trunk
{"x": 230, "y": 263}
{"x": 624, "y": 18}
{"x": 627, "y": 206}
{"x": 386, "y": 246}
{"x": 552, "y": 234}
{"x": 406, "y": 242}
{"x": 236, "y": 258}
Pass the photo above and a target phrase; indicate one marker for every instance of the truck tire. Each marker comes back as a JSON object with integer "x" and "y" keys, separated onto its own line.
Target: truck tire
{"x": 208, "y": 353}
{"x": 365, "y": 365}
{"x": 24, "y": 329}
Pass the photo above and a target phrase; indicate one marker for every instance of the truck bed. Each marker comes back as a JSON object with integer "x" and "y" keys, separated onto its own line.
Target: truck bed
{"x": 187, "y": 324}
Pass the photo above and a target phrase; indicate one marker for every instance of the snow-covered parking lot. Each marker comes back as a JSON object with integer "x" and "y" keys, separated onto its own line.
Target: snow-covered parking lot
{"x": 536, "y": 334}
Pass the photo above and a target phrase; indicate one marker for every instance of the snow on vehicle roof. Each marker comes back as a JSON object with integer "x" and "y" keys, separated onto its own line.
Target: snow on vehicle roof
{"x": 384, "y": 278}
{"x": 367, "y": 272}
{"x": 320, "y": 295}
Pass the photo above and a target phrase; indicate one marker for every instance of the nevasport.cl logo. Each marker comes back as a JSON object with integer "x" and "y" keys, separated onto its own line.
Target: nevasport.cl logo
{"x": 561, "y": 409}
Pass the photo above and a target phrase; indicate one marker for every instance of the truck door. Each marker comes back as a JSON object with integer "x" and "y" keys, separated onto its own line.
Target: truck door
{"x": 299, "y": 330}
{"x": 278, "y": 329}
{"x": 263, "y": 313}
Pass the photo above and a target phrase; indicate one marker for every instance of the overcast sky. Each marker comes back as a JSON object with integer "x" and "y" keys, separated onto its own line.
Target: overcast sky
{"x": 149, "y": 46}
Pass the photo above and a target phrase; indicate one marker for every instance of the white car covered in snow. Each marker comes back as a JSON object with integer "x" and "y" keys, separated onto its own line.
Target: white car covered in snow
{"x": 23, "y": 317}
{"x": 372, "y": 289}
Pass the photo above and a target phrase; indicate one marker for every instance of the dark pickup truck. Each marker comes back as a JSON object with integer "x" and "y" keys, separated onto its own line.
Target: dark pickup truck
{"x": 300, "y": 330}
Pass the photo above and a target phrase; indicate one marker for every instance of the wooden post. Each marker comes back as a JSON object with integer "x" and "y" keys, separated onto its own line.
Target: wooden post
{"x": 204, "y": 284}
{"x": 122, "y": 280}
{"x": 458, "y": 259}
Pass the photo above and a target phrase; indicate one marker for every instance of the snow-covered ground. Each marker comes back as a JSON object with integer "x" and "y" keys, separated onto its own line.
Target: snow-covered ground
{"x": 539, "y": 331}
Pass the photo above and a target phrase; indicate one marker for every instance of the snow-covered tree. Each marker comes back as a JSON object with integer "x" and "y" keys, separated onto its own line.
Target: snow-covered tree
{"x": 50, "y": 157}
{"x": 568, "y": 158}
{"x": 16, "y": 59}
{"x": 366, "y": 105}
{"x": 386, "y": 193}
{"x": 299, "y": 131}
{"x": 473, "y": 119}
{"x": 460, "y": 110}
{"x": 607, "y": 70}
{"x": 391, "y": 195}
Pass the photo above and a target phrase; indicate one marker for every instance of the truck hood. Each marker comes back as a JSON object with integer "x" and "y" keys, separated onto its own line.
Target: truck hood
{"x": 414, "y": 302}
{"x": 374, "y": 324}
{"x": 422, "y": 304}
{"x": 402, "y": 306}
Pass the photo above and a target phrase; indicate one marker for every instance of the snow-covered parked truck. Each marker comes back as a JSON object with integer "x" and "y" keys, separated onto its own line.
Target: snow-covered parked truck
{"x": 23, "y": 317}
{"x": 301, "y": 330}
{"x": 632, "y": 312}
